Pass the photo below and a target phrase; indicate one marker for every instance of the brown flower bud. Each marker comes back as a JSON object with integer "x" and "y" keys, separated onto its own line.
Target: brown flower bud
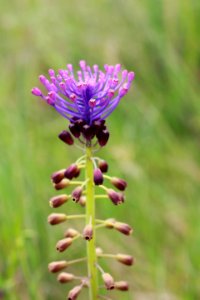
{"x": 108, "y": 281}
{"x": 88, "y": 132}
{"x": 55, "y": 219}
{"x": 71, "y": 233}
{"x": 57, "y": 266}
{"x": 82, "y": 201}
{"x": 58, "y": 200}
{"x": 119, "y": 183}
{"x": 66, "y": 137}
{"x": 103, "y": 137}
{"x": 103, "y": 166}
{"x": 73, "y": 294}
{"x": 62, "y": 184}
{"x": 98, "y": 177}
{"x": 121, "y": 285}
{"x": 116, "y": 198}
{"x": 123, "y": 228}
{"x": 125, "y": 259}
{"x": 76, "y": 193}
{"x": 65, "y": 277}
{"x": 88, "y": 232}
{"x": 72, "y": 171}
{"x": 75, "y": 129}
{"x": 63, "y": 244}
{"x": 56, "y": 177}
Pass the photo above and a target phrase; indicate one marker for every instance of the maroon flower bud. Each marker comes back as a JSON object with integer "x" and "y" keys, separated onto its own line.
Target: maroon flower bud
{"x": 66, "y": 137}
{"x": 75, "y": 129}
{"x": 71, "y": 233}
{"x": 103, "y": 137}
{"x": 88, "y": 232}
{"x": 98, "y": 177}
{"x": 121, "y": 285}
{"x": 65, "y": 277}
{"x": 63, "y": 244}
{"x": 125, "y": 259}
{"x": 123, "y": 228}
{"x": 55, "y": 219}
{"x": 98, "y": 125}
{"x": 103, "y": 166}
{"x": 73, "y": 294}
{"x": 56, "y": 177}
{"x": 58, "y": 200}
{"x": 76, "y": 193}
{"x": 62, "y": 184}
{"x": 88, "y": 132}
{"x": 116, "y": 198}
{"x": 108, "y": 281}
{"x": 71, "y": 171}
{"x": 119, "y": 183}
{"x": 57, "y": 266}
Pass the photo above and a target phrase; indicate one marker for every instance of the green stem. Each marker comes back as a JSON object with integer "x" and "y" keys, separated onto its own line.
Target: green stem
{"x": 90, "y": 218}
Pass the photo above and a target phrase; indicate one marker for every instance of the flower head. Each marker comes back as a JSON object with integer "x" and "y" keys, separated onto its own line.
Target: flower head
{"x": 90, "y": 95}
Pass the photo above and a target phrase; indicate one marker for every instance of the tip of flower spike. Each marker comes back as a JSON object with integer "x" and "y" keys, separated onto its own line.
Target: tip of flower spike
{"x": 131, "y": 76}
{"x": 82, "y": 64}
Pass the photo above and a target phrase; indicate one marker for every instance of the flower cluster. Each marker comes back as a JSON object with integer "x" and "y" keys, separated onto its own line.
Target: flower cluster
{"x": 86, "y": 100}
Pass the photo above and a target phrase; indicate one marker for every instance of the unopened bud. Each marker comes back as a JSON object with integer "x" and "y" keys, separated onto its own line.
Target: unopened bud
{"x": 88, "y": 232}
{"x": 75, "y": 129}
{"x": 55, "y": 219}
{"x": 119, "y": 183}
{"x": 63, "y": 244}
{"x": 125, "y": 259}
{"x": 98, "y": 176}
{"x": 98, "y": 251}
{"x": 71, "y": 233}
{"x": 82, "y": 201}
{"x": 108, "y": 281}
{"x": 103, "y": 166}
{"x": 76, "y": 193}
{"x": 73, "y": 294}
{"x": 103, "y": 137}
{"x": 58, "y": 200}
{"x": 121, "y": 285}
{"x": 66, "y": 137}
{"x": 123, "y": 228}
{"x": 88, "y": 132}
{"x": 110, "y": 223}
{"x": 116, "y": 198}
{"x": 57, "y": 266}
{"x": 58, "y": 176}
{"x": 72, "y": 171}
{"x": 62, "y": 184}
{"x": 65, "y": 277}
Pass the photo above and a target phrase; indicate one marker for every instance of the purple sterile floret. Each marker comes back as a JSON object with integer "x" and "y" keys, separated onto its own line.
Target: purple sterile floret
{"x": 90, "y": 95}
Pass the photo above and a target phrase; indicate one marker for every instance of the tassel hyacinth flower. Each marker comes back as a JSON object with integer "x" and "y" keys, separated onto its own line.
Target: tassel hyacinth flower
{"x": 86, "y": 98}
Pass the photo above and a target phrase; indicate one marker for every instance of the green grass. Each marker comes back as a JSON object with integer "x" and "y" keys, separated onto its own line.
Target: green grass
{"x": 154, "y": 141}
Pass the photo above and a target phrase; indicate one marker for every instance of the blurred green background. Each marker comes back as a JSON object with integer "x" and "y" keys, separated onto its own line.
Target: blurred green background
{"x": 154, "y": 142}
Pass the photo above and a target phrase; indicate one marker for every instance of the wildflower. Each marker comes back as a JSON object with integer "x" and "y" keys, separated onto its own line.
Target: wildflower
{"x": 108, "y": 280}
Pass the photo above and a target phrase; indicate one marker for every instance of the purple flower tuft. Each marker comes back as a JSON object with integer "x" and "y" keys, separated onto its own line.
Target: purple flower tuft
{"x": 90, "y": 95}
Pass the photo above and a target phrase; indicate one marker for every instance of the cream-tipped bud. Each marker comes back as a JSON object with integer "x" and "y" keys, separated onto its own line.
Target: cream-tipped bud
{"x": 56, "y": 177}
{"x": 76, "y": 193}
{"x": 55, "y": 219}
{"x": 73, "y": 294}
{"x": 71, "y": 232}
{"x": 108, "y": 281}
{"x": 65, "y": 277}
{"x": 121, "y": 285}
{"x": 116, "y": 198}
{"x": 103, "y": 166}
{"x": 88, "y": 232}
{"x": 123, "y": 228}
{"x": 57, "y": 266}
{"x": 82, "y": 201}
{"x": 125, "y": 259}
{"x": 63, "y": 244}
{"x": 98, "y": 176}
{"x": 119, "y": 183}
{"x": 99, "y": 251}
{"x": 110, "y": 223}
{"x": 58, "y": 200}
{"x": 62, "y": 184}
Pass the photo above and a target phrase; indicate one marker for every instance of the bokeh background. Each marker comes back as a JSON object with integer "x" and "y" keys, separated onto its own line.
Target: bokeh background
{"x": 154, "y": 142}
